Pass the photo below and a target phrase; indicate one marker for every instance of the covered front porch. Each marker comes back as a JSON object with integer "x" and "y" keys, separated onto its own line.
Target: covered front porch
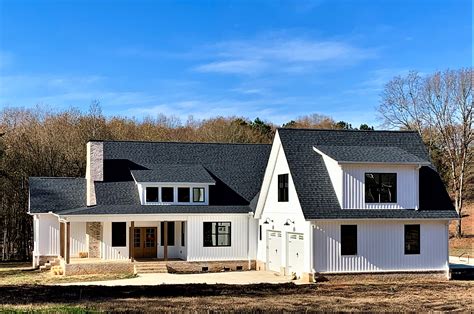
{"x": 83, "y": 241}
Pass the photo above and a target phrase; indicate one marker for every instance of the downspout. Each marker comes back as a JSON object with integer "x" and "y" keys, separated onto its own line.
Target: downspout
{"x": 250, "y": 214}
{"x": 311, "y": 253}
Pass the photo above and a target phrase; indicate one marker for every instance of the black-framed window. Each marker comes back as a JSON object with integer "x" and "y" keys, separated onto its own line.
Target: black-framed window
{"x": 380, "y": 187}
{"x": 283, "y": 187}
{"x": 184, "y": 195}
{"x": 183, "y": 226}
{"x": 217, "y": 233}
{"x": 198, "y": 195}
{"x": 167, "y": 194}
{"x": 412, "y": 239}
{"x": 151, "y": 194}
{"x": 170, "y": 233}
{"x": 348, "y": 239}
{"x": 119, "y": 234}
{"x": 260, "y": 232}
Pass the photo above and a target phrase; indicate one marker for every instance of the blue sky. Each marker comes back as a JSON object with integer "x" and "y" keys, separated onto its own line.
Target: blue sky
{"x": 276, "y": 60}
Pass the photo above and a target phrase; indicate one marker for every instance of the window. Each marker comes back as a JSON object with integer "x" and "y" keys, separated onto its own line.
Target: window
{"x": 260, "y": 233}
{"x": 348, "y": 239}
{"x": 167, "y": 195}
{"x": 170, "y": 233}
{"x": 198, "y": 195}
{"x": 182, "y": 233}
{"x": 380, "y": 187}
{"x": 183, "y": 195}
{"x": 412, "y": 239}
{"x": 283, "y": 187}
{"x": 151, "y": 194}
{"x": 217, "y": 234}
{"x": 119, "y": 234}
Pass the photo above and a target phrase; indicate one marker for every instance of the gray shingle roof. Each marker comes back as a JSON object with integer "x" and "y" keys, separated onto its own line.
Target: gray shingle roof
{"x": 174, "y": 173}
{"x": 313, "y": 185}
{"x": 156, "y": 209}
{"x": 237, "y": 169}
{"x": 370, "y": 154}
{"x": 53, "y": 194}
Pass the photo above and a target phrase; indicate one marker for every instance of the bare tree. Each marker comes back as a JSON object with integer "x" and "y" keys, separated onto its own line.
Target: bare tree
{"x": 440, "y": 108}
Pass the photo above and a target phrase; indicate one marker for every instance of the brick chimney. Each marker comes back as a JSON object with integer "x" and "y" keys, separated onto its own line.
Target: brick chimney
{"x": 94, "y": 169}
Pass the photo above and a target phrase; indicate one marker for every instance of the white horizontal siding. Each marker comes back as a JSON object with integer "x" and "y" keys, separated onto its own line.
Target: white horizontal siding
{"x": 380, "y": 247}
{"x": 354, "y": 186}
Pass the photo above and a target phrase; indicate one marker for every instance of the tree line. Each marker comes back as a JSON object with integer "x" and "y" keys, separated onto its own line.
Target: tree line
{"x": 43, "y": 142}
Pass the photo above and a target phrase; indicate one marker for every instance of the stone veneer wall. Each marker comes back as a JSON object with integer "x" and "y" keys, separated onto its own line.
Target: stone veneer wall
{"x": 98, "y": 268}
{"x": 214, "y": 266}
{"x": 94, "y": 232}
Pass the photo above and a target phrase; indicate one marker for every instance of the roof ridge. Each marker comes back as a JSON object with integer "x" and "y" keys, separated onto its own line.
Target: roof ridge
{"x": 56, "y": 178}
{"x": 340, "y": 130}
{"x": 176, "y": 142}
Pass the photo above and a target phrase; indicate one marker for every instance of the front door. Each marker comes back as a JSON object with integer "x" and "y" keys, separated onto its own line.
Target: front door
{"x": 145, "y": 242}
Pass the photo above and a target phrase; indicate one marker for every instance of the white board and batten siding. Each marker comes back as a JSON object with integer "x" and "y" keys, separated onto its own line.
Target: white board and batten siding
{"x": 107, "y": 251}
{"x": 78, "y": 238}
{"x": 353, "y": 186}
{"x": 380, "y": 247}
{"x": 277, "y": 214}
{"x": 46, "y": 235}
{"x": 243, "y": 238}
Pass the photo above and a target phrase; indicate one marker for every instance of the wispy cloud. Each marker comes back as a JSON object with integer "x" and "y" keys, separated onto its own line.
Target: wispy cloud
{"x": 291, "y": 55}
{"x": 376, "y": 81}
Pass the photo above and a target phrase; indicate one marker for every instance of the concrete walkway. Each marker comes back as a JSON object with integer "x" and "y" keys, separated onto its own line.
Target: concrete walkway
{"x": 238, "y": 278}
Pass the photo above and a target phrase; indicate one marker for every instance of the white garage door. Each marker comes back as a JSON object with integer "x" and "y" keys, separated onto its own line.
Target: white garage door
{"x": 295, "y": 249}
{"x": 273, "y": 250}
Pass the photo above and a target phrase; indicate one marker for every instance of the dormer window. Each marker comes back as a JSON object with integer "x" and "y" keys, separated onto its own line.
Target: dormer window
{"x": 380, "y": 187}
{"x": 167, "y": 194}
{"x": 198, "y": 195}
{"x": 183, "y": 195}
{"x": 152, "y": 195}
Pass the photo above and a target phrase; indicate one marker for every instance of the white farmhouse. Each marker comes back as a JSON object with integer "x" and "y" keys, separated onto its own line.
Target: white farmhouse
{"x": 321, "y": 201}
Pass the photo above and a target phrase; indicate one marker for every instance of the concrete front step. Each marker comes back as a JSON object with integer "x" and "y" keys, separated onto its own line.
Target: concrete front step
{"x": 151, "y": 267}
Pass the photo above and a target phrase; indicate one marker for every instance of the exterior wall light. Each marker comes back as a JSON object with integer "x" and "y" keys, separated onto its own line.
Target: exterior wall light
{"x": 267, "y": 221}
{"x": 289, "y": 222}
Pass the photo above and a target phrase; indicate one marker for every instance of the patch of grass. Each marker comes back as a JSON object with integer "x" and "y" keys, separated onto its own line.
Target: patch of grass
{"x": 48, "y": 308}
{"x": 28, "y": 276}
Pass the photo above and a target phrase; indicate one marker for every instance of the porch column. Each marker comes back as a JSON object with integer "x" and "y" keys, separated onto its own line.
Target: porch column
{"x": 62, "y": 238}
{"x": 165, "y": 240}
{"x": 68, "y": 242}
{"x": 132, "y": 240}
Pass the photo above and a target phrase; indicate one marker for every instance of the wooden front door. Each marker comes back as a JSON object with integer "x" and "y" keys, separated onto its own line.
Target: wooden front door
{"x": 145, "y": 242}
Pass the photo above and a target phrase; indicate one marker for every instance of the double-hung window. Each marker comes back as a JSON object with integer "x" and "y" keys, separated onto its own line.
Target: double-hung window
{"x": 412, "y": 239}
{"x": 216, "y": 234}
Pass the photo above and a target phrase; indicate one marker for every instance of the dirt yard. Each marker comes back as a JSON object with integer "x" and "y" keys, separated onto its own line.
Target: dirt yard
{"x": 466, "y": 243}
{"x": 339, "y": 293}
{"x": 22, "y": 274}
